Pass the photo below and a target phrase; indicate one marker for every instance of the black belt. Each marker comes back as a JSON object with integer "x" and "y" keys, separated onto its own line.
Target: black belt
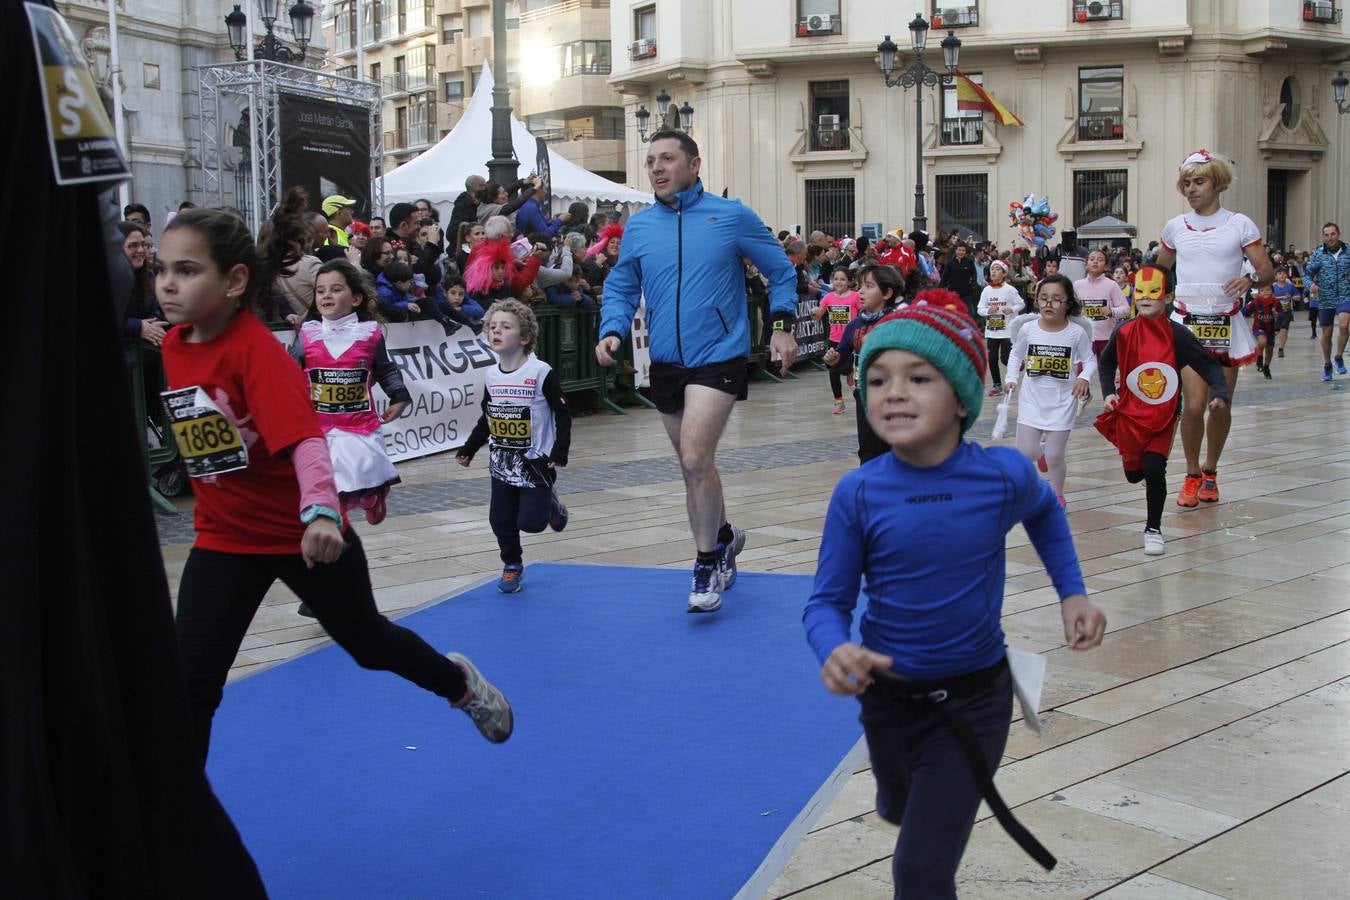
{"x": 936, "y": 693}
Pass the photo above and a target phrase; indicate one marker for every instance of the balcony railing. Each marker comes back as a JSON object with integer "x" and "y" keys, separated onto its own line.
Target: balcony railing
{"x": 409, "y": 82}
{"x": 829, "y": 138}
{"x": 956, "y": 16}
{"x": 410, "y": 138}
{"x": 595, "y": 68}
{"x": 562, "y": 6}
{"x": 593, "y": 133}
{"x": 1323, "y": 12}
{"x": 1101, "y": 126}
{"x": 969, "y": 130}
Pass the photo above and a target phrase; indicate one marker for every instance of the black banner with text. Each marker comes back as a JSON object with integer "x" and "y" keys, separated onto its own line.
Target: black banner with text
{"x": 325, "y": 148}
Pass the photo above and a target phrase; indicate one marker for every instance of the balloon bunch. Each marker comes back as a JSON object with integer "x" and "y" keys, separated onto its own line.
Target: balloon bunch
{"x": 1034, "y": 221}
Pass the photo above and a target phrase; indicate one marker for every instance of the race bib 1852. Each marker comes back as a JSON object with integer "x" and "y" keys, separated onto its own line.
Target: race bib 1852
{"x": 208, "y": 441}
{"x": 339, "y": 390}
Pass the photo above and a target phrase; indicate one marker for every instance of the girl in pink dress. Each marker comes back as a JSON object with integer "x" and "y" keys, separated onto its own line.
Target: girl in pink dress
{"x": 341, "y": 349}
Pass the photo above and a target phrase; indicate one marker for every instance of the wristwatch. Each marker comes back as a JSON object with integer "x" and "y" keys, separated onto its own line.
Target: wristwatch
{"x": 310, "y": 513}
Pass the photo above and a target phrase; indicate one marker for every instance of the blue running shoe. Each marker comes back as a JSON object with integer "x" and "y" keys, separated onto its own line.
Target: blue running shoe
{"x": 705, "y": 595}
{"x": 1326, "y": 373}
{"x": 726, "y": 557}
{"x": 557, "y": 519}
{"x": 1340, "y": 365}
{"x": 511, "y": 579}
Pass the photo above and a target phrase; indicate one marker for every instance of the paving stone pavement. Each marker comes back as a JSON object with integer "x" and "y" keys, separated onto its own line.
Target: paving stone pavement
{"x": 1203, "y": 751}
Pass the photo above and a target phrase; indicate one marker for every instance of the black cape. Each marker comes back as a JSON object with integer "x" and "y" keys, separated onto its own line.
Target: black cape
{"x": 101, "y": 786}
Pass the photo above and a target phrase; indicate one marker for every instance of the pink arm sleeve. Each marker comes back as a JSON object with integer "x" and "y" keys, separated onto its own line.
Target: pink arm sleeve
{"x": 314, "y": 470}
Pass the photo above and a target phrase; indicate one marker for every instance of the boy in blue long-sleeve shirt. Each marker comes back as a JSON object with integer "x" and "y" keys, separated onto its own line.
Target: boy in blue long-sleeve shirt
{"x": 926, "y": 524}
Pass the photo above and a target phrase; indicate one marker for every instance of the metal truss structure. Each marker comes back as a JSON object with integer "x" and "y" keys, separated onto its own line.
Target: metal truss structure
{"x": 240, "y": 109}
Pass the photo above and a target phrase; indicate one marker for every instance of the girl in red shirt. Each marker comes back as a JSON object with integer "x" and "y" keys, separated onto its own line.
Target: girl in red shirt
{"x": 267, "y": 505}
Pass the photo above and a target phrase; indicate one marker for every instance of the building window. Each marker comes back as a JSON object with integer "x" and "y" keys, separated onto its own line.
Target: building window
{"x": 476, "y": 23}
{"x": 473, "y": 80}
{"x": 644, "y": 24}
{"x": 371, "y": 22}
{"x": 963, "y": 206}
{"x": 452, "y": 29}
{"x": 829, "y": 206}
{"x": 1099, "y": 192}
{"x": 609, "y": 127}
{"x": 388, "y": 11}
{"x": 347, "y": 72}
{"x": 1098, "y": 10}
{"x": 829, "y": 115}
{"x": 344, "y": 27}
{"x": 961, "y": 126}
{"x": 584, "y": 58}
{"x": 818, "y": 17}
{"x": 947, "y": 14}
{"x": 1101, "y": 103}
{"x": 1323, "y": 12}
{"x": 454, "y": 88}
{"x": 1289, "y": 105}
{"x": 420, "y": 14}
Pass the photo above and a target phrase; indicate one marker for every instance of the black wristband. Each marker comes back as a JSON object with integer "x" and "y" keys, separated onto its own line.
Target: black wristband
{"x": 782, "y": 322}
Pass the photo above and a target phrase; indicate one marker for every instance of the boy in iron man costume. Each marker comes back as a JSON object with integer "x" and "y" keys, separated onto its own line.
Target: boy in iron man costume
{"x": 1141, "y": 412}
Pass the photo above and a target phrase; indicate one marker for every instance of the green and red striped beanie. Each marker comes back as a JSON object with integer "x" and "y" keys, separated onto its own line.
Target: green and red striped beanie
{"x": 945, "y": 336}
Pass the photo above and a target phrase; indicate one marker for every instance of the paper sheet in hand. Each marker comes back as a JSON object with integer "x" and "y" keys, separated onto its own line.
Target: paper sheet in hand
{"x": 1028, "y": 673}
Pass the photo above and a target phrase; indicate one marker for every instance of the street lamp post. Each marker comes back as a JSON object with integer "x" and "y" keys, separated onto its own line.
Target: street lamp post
{"x": 668, "y": 117}
{"x": 917, "y": 76}
{"x": 270, "y": 47}
{"x": 1338, "y": 86}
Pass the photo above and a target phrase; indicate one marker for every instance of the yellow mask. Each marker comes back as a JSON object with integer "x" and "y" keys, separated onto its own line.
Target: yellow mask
{"x": 1150, "y": 283}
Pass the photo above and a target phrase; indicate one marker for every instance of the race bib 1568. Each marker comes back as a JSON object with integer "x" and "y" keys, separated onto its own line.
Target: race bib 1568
{"x": 1050, "y": 360}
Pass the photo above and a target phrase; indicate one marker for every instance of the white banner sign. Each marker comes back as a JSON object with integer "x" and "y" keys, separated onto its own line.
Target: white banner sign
{"x": 642, "y": 347}
{"x": 444, "y": 375}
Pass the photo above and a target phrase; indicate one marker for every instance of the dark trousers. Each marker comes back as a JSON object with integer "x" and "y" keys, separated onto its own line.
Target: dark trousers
{"x": 870, "y": 445}
{"x": 1153, "y": 473}
{"x": 516, "y": 509}
{"x": 220, "y": 592}
{"x": 999, "y": 348}
{"x": 925, "y": 783}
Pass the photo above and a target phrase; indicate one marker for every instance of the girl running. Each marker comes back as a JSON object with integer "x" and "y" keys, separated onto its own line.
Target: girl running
{"x": 879, "y": 287}
{"x": 1053, "y": 349}
{"x": 999, "y": 302}
{"x": 839, "y": 307}
{"x": 1208, "y": 246}
{"x": 341, "y": 348}
{"x": 267, "y": 505}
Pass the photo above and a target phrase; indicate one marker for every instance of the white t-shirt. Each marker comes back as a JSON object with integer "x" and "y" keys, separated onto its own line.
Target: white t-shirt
{"x": 1210, "y": 249}
{"x": 995, "y": 298}
{"x": 1052, "y": 358}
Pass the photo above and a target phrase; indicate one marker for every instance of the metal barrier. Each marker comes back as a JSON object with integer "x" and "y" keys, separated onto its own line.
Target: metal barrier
{"x": 166, "y": 454}
{"x": 566, "y": 342}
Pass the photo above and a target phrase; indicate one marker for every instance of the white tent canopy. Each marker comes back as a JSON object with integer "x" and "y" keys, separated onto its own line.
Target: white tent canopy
{"x": 438, "y": 174}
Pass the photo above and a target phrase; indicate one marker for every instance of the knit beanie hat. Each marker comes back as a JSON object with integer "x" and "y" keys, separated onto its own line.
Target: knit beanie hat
{"x": 947, "y": 338}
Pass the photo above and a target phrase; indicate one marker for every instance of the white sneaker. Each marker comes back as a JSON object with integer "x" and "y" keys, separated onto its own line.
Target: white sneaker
{"x": 1153, "y": 542}
{"x": 705, "y": 594}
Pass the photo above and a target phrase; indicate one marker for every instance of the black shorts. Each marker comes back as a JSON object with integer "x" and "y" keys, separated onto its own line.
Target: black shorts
{"x": 669, "y": 381}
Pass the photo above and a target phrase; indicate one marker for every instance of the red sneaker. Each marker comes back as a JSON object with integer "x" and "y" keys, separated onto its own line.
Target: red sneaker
{"x": 1209, "y": 488}
{"x": 1189, "y": 489}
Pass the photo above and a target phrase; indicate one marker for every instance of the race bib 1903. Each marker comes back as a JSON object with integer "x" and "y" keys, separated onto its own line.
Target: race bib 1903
{"x": 208, "y": 441}
{"x": 509, "y": 426}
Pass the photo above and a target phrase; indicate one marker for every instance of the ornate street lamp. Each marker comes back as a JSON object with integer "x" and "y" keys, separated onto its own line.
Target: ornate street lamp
{"x": 270, "y": 47}
{"x": 1338, "y": 85}
{"x": 669, "y": 117}
{"x": 918, "y": 75}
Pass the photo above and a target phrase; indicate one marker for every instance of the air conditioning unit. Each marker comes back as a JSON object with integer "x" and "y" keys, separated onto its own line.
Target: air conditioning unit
{"x": 1097, "y": 10}
{"x": 642, "y": 49}
{"x": 827, "y": 123}
{"x": 817, "y": 24}
{"x": 1099, "y": 128}
{"x": 826, "y": 138}
{"x": 956, "y": 17}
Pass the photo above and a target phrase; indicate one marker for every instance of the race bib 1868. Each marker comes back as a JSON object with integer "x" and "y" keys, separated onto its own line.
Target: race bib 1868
{"x": 339, "y": 390}
{"x": 208, "y": 441}
{"x": 509, "y": 425}
{"x": 1213, "y": 332}
{"x": 1048, "y": 360}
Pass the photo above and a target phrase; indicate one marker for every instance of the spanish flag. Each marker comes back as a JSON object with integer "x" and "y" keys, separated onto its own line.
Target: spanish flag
{"x": 970, "y": 95}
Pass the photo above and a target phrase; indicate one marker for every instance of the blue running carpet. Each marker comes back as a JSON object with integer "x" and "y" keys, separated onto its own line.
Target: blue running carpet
{"x": 656, "y": 754}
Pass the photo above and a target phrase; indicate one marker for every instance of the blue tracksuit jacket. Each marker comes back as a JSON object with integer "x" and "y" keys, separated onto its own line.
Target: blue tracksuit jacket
{"x": 685, "y": 259}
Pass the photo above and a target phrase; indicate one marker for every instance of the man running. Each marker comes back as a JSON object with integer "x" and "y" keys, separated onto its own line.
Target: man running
{"x": 1330, "y": 268}
{"x": 683, "y": 255}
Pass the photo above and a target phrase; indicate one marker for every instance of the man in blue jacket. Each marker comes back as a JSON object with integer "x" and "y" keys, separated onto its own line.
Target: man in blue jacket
{"x": 684, "y": 256}
{"x": 1330, "y": 268}
{"x": 532, "y": 218}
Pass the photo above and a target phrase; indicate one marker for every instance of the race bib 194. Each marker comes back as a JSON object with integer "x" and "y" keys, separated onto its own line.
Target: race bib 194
{"x": 1213, "y": 332}
{"x": 339, "y": 390}
{"x": 208, "y": 441}
{"x": 1095, "y": 310}
{"x": 509, "y": 426}
{"x": 1050, "y": 360}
